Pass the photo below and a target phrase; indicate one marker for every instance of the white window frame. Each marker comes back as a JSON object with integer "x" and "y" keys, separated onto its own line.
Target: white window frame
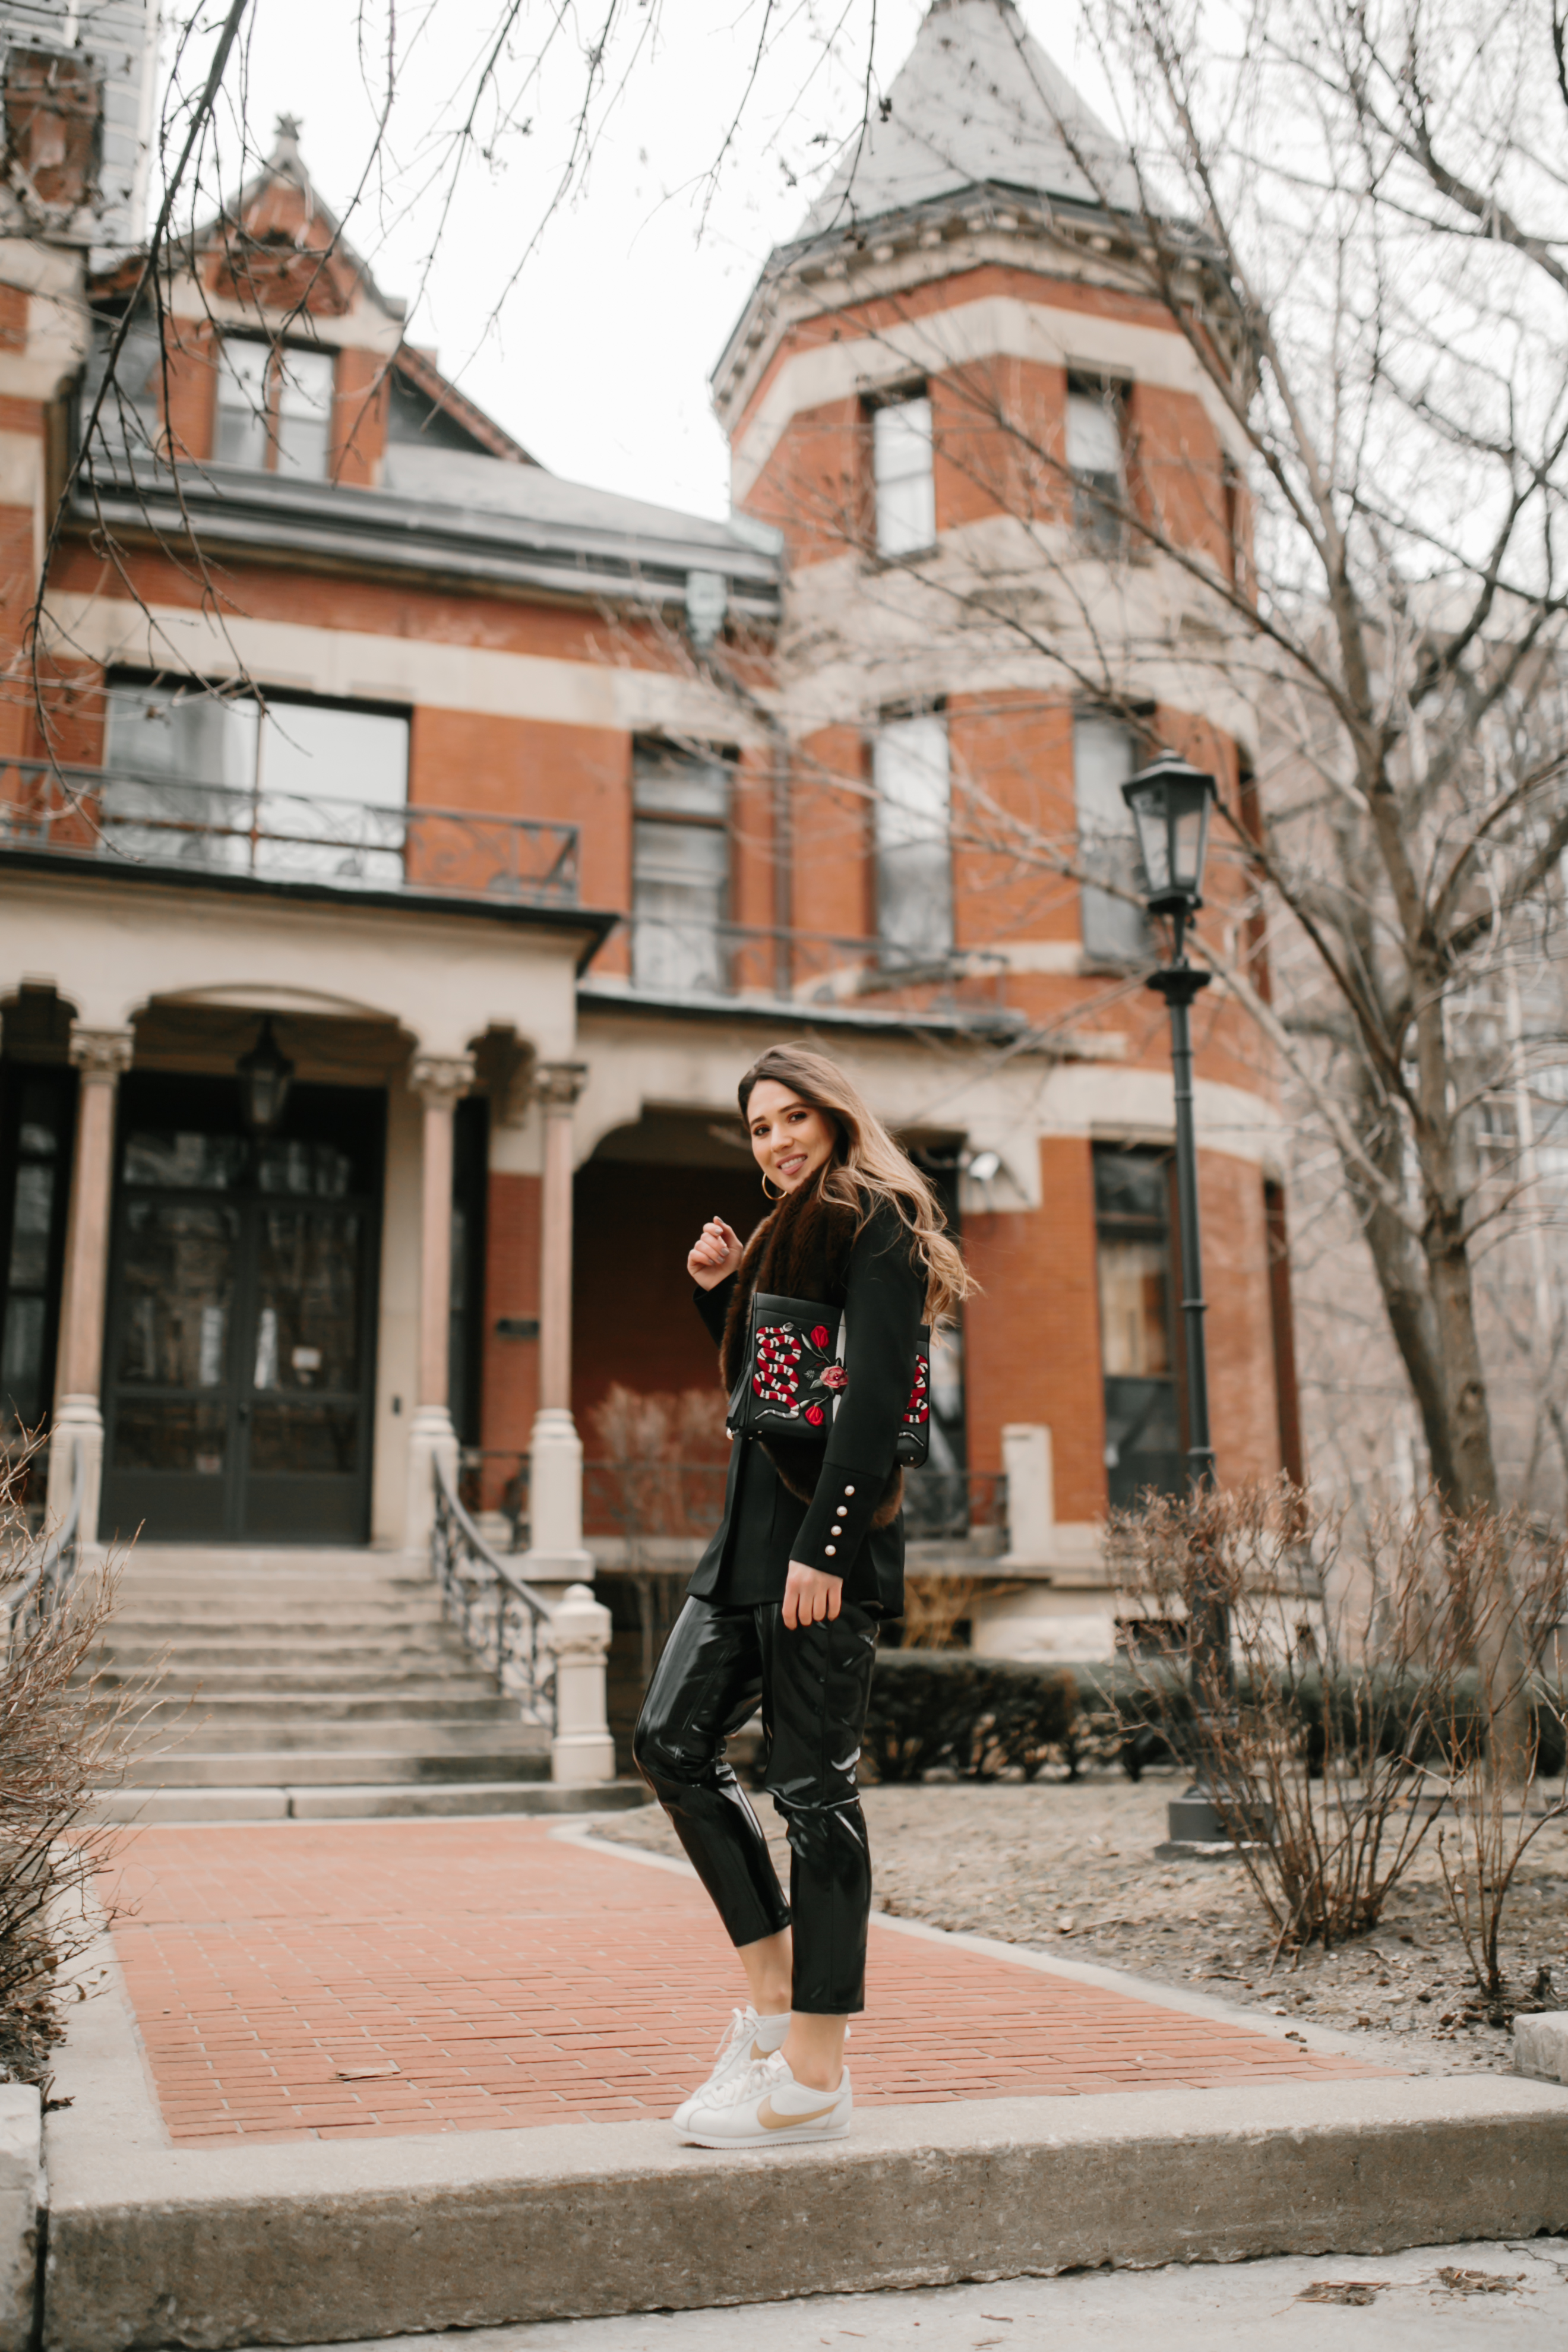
{"x": 682, "y": 813}
{"x": 911, "y": 771}
{"x": 281, "y": 418}
{"x": 1105, "y": 752}
{"x": 1097, "y": 458}
{"x": 903, "y": 474}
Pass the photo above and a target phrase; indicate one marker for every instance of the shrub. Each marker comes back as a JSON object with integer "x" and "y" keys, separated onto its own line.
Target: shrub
{"x": 1329, "y": 1682}
{"x": 61, "y": 1740}
{"x": 977, "y": 1717}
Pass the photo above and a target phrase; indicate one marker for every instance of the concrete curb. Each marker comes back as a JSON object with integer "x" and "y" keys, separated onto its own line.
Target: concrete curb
{"x": 397, "y": 1800}
{"x": 312, "y": 2241}
{"x": 21, "y": 2202}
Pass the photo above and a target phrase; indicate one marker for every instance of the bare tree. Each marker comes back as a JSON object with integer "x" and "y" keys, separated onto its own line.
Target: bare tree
{"x": 1358, "y": 573}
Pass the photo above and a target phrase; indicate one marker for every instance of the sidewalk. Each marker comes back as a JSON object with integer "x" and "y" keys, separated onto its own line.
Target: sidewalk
{"x": 353, "y": 2080}
{"x": 359, "y": 1979}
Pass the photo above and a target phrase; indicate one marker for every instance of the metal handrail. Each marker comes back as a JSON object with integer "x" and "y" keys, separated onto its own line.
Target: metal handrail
{"x": 46, "y": 1584}
{"x": 503, "y": 1621}
{"x": 727, "y": 959}
{"x": 103, "y": 813}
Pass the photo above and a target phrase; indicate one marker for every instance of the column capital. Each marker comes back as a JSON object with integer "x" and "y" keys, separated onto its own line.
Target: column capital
{"x": 440, "y": 1078}
{"x": 557, "y": 1085}
{"x": 101, "y": 1055}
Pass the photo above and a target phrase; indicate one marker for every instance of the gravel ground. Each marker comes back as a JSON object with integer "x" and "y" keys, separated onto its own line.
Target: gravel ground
{"x": 1069, "y": 1868}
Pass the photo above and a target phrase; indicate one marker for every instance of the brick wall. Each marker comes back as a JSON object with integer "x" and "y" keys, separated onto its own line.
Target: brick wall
{"x": 1033, "y": 1334}
{"x": 509, "y": 1395}
{"x": 632, "y": 1317}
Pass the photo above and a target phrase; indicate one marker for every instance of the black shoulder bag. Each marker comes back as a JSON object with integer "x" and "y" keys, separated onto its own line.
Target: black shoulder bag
{"x": 793, "y": 1375}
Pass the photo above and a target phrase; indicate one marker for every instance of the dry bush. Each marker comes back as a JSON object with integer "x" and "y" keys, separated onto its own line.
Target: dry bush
{"x": 934, "y": 1606}
{"x": 1503, "y": 1733}
{"x": 660, "y": 1456}
{"x": 61, "y": 1739}
{"x": 1310, "y": 1689}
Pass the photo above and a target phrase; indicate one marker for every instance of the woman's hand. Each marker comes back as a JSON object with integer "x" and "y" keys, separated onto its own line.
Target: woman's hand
{"x": 810, "y": 1598}
{"x": 716, "y": 1255}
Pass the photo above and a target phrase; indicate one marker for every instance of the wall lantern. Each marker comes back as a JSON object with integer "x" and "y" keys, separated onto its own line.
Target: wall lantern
{"x": 1171, "y": 801}
{"x": 266, "y": 1074}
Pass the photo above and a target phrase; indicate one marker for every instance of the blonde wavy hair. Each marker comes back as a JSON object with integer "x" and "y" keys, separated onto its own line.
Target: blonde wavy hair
{"x": 869, "y": 1166}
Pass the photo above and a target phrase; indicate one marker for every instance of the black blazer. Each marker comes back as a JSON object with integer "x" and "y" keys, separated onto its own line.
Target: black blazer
{"x": 764, "y": 1526}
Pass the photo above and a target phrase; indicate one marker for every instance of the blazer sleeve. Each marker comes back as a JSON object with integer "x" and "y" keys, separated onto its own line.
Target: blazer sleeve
{"x": 713, "y": 1306}
{"x": 886, "y": 1305}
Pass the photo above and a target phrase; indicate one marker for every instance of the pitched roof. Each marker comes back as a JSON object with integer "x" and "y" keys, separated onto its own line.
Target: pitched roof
{"x": 977, "y": 101}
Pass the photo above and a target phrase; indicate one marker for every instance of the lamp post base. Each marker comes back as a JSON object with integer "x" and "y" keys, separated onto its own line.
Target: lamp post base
{"x": 1193, "y": 1819}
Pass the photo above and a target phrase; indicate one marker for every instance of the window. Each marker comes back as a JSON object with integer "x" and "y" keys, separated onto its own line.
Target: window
{"x": 1132, "y": 1232}
{"x": 128, "y": 420}
{"x": 35, "y": 1122}
{"x": 1550, "y": 1090}
{"x": 1094, "y": 460}
{"x": 301, "y": 788}
{"x": 913, "y": 836}
{"x": 1105, "y": 755}
{"x": 901, "y": 463}
{"x": 274, "y": 409}
{"x": 680, "y": 868}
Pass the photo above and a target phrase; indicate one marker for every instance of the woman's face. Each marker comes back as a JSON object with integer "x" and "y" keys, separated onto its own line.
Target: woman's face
{"x": 791, "y": 1140}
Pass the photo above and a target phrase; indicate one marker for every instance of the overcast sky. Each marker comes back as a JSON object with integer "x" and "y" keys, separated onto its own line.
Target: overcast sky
{"x": 599, "y": 358}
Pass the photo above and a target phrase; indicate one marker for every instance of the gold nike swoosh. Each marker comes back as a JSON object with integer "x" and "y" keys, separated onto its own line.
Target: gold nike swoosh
{"x": 769, "y": 2121}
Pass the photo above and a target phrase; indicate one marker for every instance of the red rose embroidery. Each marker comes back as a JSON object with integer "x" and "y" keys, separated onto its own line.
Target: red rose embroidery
{"x": 835, "y": 1378}
{"x": 813, "y": 1414}
{"x": 819, "y": 1336}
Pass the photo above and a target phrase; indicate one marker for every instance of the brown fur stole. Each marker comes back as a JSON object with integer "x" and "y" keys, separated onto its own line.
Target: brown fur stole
{"x": 800, "y": 1251}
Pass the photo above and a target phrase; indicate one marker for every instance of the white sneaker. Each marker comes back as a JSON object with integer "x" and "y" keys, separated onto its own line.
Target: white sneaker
{"x": 766, "y": 2107}
{"x": 737, "y": 2051}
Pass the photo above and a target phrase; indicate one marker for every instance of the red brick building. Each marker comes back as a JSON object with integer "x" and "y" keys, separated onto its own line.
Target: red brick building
{"x": 517, "y": 816}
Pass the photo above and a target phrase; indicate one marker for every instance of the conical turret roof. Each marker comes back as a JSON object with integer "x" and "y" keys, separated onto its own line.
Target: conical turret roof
{"x": 976, "y": 102}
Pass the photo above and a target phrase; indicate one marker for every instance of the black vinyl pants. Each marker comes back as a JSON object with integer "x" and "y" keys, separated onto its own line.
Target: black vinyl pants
{"x": 814, "y": 1684}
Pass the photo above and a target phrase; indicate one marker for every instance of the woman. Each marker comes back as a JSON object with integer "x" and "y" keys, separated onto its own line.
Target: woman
{"x": 783, "y": 1607}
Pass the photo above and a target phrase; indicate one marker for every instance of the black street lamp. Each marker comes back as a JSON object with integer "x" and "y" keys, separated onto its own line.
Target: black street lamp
{"x": 1171, "y": 803}
{"x": 266, "y": 1074}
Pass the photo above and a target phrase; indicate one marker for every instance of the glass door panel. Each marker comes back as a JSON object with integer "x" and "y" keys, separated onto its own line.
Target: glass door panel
{"x": 170, "y": 1364}
{"x": 240, "y": 1357}
{"x": 305, "y": 1411}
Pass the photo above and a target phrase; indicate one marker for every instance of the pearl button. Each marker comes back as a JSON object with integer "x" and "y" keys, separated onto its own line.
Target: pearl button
{"x": 850, "y": 1490}
{"x": 842, "y": 1512}
{"x": 831, "y": 1550}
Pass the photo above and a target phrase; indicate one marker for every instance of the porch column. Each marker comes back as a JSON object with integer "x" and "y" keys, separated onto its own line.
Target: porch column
{"x": 440, "y": 1081}
{"x": 555, "y": 1553}
{"x": 77, "y": 1431}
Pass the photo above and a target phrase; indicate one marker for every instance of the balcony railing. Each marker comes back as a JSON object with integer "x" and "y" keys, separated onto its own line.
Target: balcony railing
{"x": 705, "y": 958}
{"x": 113, "y": 817}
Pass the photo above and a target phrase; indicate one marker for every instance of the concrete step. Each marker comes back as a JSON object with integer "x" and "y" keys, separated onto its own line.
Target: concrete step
{"x": 451, "y": 1735}
{"x": 321, "y": 1707}
{"x": 366, "y": 1801}
{"x": 265, "y": 1559}
{"x": 423, "y": 1679}
{"x": 267, "y": 1604}
{"x": 316, "y": 2242}
{"x": 182, "y": 1653}
{"x": 225, "y": 1767}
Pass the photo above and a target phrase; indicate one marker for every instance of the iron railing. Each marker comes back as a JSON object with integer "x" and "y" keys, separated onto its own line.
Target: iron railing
{"x": 688, "y": 958}
{"x": 956, "y": 1506}
{"x": 44, "y": 1585}
{"x": 503, "y": 1621}
{"x": 113, "y": 815}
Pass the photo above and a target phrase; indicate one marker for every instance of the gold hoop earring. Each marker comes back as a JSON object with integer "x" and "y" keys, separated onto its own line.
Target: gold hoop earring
{"x": 770, "y": 1196}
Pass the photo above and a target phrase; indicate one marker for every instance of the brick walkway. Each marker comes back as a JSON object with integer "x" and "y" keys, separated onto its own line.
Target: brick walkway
{"x": 356, "y": 1978}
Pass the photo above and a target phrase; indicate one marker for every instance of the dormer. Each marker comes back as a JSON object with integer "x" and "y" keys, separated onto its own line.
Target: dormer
{"x": 285, "y": 359}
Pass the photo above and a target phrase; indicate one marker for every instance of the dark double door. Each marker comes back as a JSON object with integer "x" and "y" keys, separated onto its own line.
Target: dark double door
{"x": 240, "y": 1365}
